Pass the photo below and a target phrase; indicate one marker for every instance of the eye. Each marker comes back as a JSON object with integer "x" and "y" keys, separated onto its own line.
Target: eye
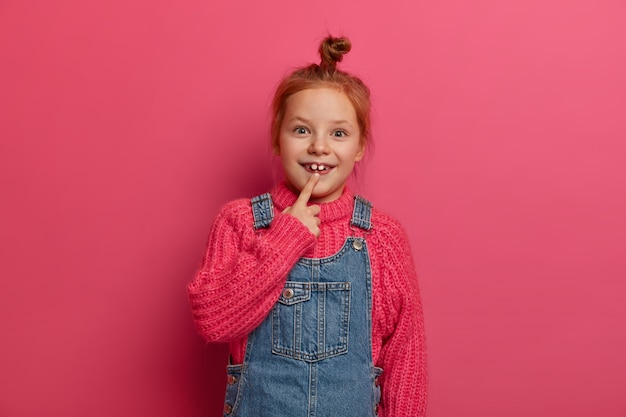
{"x": 339, "y": 133}
{"x": 301, "y": 130}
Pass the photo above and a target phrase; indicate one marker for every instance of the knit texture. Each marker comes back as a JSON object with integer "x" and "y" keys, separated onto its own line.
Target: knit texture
{"x": 244, "y": 272}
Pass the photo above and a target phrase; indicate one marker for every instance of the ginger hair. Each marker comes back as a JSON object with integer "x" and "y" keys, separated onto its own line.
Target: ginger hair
{"x": 324, "y": 74}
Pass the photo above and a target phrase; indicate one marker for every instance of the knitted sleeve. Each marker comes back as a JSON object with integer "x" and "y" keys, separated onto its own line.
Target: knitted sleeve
{"x": 403, "y": 354}
{"x": 243, "y": 271}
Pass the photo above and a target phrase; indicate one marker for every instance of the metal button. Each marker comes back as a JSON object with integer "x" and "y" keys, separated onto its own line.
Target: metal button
{"x": 357, "y": 244}
{"x": 232, "y": 379}
{"x": 228, "y": 408}
{"x": 288, "y": 293}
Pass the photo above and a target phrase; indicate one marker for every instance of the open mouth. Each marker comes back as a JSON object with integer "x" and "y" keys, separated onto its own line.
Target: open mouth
{"x": 319, "y": 168}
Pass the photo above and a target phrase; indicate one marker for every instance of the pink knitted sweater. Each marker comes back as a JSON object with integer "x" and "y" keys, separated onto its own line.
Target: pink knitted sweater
{"x": 244, "y": 271}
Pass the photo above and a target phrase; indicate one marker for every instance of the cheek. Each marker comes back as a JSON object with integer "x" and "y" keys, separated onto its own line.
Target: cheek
{"x": 353, "y": 153}
{"x": 290, "y": 150}
{"x": 284, "y": 161}
{"x": 286, "y": 156}
{"x": 289, "y": 162}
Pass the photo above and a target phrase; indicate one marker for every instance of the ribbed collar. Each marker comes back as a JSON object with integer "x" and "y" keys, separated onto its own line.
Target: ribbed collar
{"x": 340, "y": 208}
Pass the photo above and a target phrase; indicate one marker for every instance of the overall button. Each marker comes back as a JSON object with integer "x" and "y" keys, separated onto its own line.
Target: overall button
{"x": 228, "y": 408}
{"x": 288, "y": 293}
{"x": 357, "y": 245}
{"x": 376, "y": 382}
{"x": 232, "y": 379}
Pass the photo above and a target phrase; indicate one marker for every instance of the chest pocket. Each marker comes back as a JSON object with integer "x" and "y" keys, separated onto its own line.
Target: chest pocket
{"x": 310, "y": 321}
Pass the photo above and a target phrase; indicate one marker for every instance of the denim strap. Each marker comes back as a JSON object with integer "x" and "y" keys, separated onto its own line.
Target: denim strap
{"x": 262, "y": 210}
{"x": 361, "y": 216}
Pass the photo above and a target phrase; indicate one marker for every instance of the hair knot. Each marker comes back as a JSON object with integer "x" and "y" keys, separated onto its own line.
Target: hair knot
{"x": 332, "y": 51}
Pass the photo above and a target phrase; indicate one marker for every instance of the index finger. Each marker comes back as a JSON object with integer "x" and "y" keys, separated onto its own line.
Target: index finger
{"x": 307, "y": 190}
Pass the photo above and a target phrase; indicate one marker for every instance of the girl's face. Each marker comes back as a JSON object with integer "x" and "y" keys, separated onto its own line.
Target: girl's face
{"x": 320, "y": 133}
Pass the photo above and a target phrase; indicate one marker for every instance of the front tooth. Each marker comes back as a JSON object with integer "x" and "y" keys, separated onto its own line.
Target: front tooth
{"x": 321, "y": 167}
{"x": 313, "y": 167}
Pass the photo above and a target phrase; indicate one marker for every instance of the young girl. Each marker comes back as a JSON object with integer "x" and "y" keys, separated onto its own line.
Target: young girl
{"x": 313, "y": 288}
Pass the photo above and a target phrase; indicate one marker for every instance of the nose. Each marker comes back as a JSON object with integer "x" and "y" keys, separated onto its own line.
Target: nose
{"x": 319, "y": 145}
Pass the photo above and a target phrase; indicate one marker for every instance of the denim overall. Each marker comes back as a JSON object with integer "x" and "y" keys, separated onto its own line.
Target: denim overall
{"x": 312, "y": 355}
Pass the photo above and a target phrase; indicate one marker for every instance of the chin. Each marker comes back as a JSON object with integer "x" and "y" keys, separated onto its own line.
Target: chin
{"x": 326, "y": 197}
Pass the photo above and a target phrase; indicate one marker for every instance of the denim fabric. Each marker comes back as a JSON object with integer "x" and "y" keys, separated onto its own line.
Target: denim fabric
{"x": 312, "y": 355}
{"x": 362, "y": 213}
{"x": 263, "y": 210}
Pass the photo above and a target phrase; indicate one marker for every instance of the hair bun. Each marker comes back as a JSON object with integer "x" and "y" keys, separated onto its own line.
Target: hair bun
{"x": 332, "y": 50}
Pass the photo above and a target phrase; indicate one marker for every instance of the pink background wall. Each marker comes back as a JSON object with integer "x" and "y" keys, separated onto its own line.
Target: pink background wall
{"x": 500, "y": 144}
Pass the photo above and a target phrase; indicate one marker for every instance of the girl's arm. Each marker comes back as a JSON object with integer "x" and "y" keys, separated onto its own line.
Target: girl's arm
{"x": 244, "y": 271}
{"x": 403, "y": 354}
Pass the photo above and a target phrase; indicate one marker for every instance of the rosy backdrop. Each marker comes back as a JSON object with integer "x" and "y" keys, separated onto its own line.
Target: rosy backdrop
{"x": 499, "y": 132}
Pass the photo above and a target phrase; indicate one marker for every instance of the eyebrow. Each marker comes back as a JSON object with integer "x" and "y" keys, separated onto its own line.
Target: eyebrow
{"x": 302, "y": 119}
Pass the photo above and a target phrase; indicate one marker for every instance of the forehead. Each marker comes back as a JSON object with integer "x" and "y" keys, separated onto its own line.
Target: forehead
{"x": 320, "y": 103}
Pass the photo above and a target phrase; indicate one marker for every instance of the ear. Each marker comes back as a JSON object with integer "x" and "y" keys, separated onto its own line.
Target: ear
{"x": 360, "y": 153}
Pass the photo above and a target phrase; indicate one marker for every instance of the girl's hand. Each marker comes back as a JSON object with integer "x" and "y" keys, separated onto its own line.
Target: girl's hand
{"x": 307, "y": 214}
